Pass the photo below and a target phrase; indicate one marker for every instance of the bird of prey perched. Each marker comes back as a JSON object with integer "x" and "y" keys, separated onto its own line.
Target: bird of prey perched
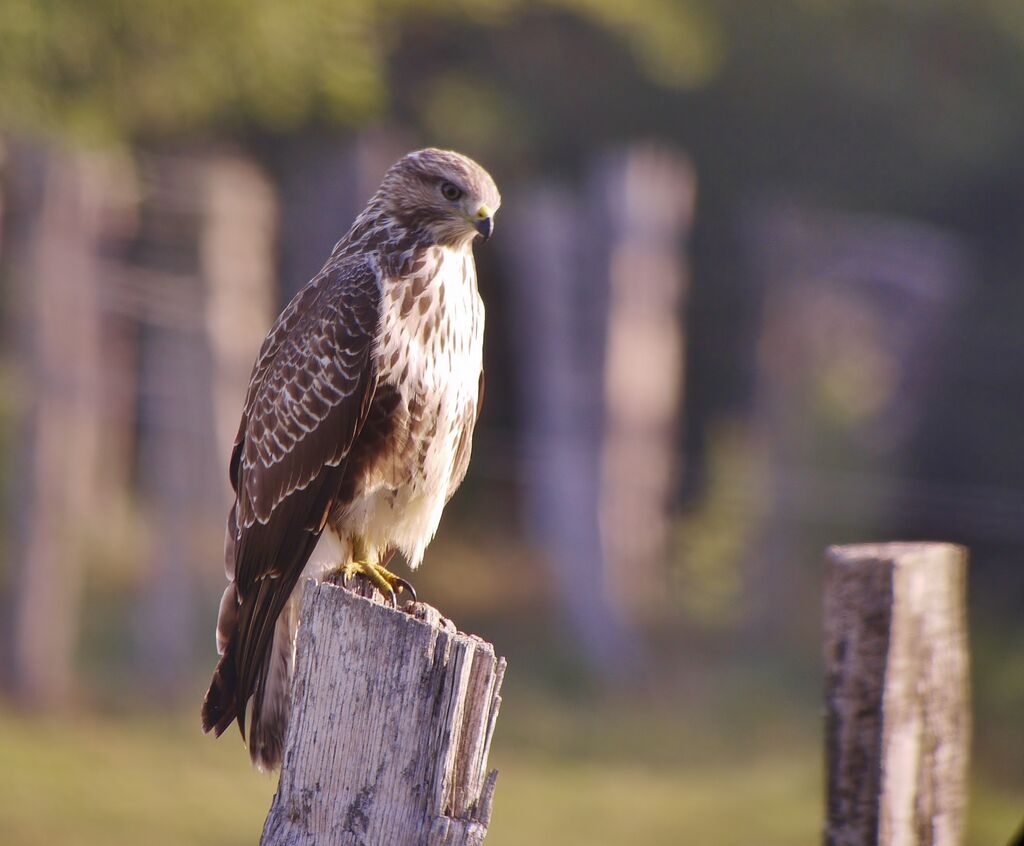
{"x": 357, "y": 425}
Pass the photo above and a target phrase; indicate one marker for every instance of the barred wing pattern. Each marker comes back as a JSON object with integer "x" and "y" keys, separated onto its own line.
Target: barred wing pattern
{"x": 309, "y": 396}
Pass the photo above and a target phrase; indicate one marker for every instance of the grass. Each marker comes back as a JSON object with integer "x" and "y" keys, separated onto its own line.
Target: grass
{"x": 572, "y": 772}
{"x": 768, "y": 801}
{"x": 139, "y": 779}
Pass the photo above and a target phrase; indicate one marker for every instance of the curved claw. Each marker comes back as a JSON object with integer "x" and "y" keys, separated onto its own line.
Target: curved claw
{"x": 404, "y": 585}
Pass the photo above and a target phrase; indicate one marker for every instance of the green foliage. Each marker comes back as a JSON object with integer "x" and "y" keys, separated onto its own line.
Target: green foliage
{"x": 712, "y": 541}
{"x": 111, "y": 67}
{"x": 130, "y": 68}
{"x": 677, "y": 44}
{"x": 870, "y": 100}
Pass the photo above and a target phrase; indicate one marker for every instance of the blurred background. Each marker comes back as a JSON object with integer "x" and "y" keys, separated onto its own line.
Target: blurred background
{"x": 757, "y": 287}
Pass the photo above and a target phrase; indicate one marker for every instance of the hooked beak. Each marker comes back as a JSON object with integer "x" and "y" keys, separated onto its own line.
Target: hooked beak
{"x": 484, "y": 222}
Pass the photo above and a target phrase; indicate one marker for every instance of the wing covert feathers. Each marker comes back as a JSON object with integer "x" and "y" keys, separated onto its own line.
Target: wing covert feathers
{"x": 307, "y": 401}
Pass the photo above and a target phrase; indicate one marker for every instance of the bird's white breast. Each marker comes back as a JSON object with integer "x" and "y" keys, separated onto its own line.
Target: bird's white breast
{"x": 430, "y": 348}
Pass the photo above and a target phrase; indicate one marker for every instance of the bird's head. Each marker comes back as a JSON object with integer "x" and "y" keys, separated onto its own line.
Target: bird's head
{"x": 444, "y": 193}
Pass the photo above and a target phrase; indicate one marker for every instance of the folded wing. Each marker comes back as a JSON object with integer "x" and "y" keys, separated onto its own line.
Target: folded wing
{"x": 308, "y": 398}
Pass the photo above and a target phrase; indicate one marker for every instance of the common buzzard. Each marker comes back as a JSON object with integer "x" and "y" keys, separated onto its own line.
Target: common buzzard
{"x": 356, "y": 428}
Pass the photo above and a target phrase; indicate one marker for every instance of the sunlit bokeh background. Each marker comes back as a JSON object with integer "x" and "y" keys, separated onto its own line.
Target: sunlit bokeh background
{"x": 757, "y": 287}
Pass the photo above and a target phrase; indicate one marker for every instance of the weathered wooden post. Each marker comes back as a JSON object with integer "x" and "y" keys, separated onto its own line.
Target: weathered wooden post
{"x": 392, "y": 718}
{"x": 898, "y": 719}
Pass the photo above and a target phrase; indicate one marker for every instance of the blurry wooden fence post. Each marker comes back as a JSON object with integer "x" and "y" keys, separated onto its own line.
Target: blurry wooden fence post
{"x": 57, "y": 213}
{"x": 898, "y": 720}
{"x": 558, "y": 312}
{"x": 236, "y": 260}
{"x": 175, "y": 440}
{"x": 391, "y": 724}
{"x": 202, "y": 273}
{"x": 600, "y": 289}
{"x": 646, "y": 197}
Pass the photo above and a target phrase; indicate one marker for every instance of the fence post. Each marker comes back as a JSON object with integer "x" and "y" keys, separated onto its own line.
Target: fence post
{"x": 391, "y": 724}
{"x": 898, "y": 719}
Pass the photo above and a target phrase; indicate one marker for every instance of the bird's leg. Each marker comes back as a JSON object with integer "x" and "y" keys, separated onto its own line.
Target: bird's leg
{"x": 364, "y": 564}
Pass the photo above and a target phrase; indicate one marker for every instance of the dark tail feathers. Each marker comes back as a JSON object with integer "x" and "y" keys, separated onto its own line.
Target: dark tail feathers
{"x": 220, "y": 707}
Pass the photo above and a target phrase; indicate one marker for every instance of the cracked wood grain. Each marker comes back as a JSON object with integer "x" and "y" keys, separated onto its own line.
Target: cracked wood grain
{"x": 391, "y": 725}
{"x": 897, "y": 708}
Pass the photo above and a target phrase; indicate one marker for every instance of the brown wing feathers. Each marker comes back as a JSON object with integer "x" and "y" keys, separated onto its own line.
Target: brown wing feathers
{"x": 307, "y": 402}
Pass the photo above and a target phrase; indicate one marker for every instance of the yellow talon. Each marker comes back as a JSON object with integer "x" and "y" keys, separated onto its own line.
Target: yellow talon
{"x": 388, "y": 583}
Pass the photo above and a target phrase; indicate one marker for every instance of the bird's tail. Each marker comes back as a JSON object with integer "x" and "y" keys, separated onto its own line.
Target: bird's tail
{"x": 220, "y": 707}
{"x": 271, "y": 703}
{"x": 224, "y": 701}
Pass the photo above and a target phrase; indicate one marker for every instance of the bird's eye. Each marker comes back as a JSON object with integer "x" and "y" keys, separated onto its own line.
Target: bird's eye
{"x": 450, "y": 191}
